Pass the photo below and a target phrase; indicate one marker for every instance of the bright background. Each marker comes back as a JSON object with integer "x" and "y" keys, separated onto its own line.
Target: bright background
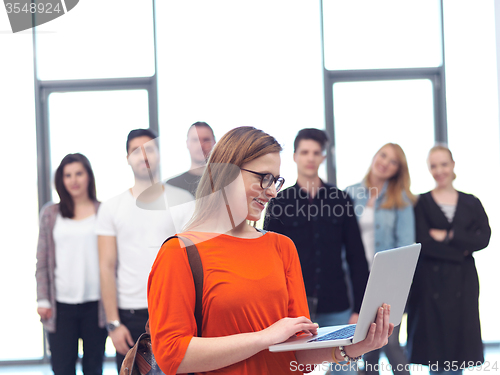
{"x": 230, "y": 64}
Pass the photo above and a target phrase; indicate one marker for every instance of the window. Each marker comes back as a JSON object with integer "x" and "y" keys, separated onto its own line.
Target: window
{"x": 243, "y": 70}
{"x": 473, "y": 131}
{"x": 98, "y": 39}
{"x": 371, "y": 114}
{"x": 382, "y": 34}
{"x": 96, "y": 124}
{"x": 19, "y": 229}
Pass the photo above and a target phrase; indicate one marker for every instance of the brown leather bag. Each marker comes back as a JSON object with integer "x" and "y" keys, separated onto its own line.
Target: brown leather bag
{"x": 140, "y": 359}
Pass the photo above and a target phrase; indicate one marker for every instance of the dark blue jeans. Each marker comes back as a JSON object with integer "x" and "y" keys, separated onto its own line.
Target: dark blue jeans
{"x": 74, "y": 322}
{"x": 135, "y": 321}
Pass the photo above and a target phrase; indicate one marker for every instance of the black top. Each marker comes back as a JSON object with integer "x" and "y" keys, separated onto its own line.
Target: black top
{"x": 443, "y": 311}
{"x": 186, "y": 181}
{"x": 322, "y": 228}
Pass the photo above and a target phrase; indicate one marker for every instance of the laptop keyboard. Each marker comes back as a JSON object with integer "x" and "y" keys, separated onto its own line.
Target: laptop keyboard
{"x": 343, "y": 333}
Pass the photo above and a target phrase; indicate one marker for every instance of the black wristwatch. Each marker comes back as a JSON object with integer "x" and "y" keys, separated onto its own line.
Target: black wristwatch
{"x": 114, "y": 324}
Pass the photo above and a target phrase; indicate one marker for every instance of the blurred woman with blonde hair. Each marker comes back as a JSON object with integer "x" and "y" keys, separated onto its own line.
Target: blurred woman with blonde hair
{"x": 384, "y": 209}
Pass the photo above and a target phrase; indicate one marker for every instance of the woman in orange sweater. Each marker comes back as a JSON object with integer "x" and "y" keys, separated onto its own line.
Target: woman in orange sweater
{"x": 253, "y": 292}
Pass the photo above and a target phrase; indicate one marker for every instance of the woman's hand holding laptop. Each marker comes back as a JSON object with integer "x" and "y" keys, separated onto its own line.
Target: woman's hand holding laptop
{"x": 377, "y": 336}
{"x": 387, "y": 289}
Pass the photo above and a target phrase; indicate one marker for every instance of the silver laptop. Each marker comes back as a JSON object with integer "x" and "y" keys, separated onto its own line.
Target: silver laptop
{"x": 389, "y": 282}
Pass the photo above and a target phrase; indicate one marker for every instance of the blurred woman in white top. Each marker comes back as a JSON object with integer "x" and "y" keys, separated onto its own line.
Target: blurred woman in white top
{"x": 68, "y": 290}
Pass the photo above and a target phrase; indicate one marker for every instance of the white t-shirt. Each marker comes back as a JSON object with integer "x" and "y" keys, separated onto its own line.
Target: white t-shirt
{"x": 367, "y": 228}
{"x": 139, "y": 234}
{"x": 77, "y": 260}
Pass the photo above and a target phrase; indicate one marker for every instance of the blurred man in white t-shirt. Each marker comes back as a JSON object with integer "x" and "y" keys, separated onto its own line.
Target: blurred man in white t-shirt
{"x": 131, "y": 228}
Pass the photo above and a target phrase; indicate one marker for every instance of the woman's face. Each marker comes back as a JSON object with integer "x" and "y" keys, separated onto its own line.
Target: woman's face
{"x": 385, "y": 164}
{"x": 441, "y": 167}
{"x": 76, "y": 179}
{"x": 256, "y": 197}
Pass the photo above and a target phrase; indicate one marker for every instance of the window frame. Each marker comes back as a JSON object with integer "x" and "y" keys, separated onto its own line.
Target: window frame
{"x": 43, "y": 88}
{"x": 435, "y": 74}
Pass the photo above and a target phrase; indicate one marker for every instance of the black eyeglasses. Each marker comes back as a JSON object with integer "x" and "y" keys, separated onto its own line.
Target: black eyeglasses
{"x": 267, "y": 179}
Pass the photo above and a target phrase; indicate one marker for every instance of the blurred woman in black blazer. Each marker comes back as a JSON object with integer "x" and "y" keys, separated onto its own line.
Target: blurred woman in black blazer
{"x": 443, "y": 314}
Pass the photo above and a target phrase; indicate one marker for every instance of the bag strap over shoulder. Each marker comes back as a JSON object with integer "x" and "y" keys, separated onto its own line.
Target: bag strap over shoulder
{"x": 197, "y": 271}
{"x": 145, "y": 363}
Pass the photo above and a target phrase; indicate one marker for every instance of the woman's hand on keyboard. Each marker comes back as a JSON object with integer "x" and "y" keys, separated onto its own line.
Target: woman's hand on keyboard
{"x": 285, "y": 328}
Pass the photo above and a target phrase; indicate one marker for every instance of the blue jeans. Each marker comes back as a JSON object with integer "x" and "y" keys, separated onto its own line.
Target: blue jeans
{"x": 334, "y": 319}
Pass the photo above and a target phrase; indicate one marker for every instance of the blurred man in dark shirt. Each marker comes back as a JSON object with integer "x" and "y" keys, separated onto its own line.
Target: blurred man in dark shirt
{"x": 200, "y": 141}
{"x": 320, "y": 220}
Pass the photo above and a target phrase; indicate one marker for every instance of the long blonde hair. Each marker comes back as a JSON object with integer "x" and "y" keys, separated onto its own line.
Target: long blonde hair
{"x": 237, "y": 147}
{"x": 398, "y": 183}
